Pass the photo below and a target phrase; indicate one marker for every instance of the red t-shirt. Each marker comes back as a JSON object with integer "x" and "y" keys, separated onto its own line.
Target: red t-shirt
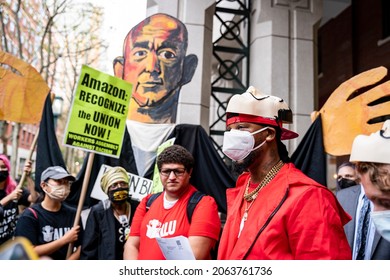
{"x": 160, "y": 222}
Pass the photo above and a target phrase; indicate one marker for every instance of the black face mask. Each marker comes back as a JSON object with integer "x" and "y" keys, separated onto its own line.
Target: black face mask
{"x": 119, "y": 195}
{"x": 3, "y": 175}
{"x": 344, "y": 183}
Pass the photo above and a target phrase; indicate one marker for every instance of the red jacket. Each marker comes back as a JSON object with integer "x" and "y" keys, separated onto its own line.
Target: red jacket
{"x": 293, "y": 216}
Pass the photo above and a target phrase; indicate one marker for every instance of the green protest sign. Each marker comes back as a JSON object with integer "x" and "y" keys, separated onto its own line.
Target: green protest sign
{"x": 97, "y": 120}
{"x": 157, "y": 185}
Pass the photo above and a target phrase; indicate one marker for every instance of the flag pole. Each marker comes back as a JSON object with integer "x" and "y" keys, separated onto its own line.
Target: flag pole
{"x": 30, "y": 154}
{"x": 32, "y": 149}
{"x": 82, "y": 197}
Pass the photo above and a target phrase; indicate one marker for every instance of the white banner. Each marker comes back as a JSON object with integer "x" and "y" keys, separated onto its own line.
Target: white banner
{"x": 139, "y": 186}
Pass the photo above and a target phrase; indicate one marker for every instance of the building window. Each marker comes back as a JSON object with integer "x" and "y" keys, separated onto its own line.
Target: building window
{"x": 385, "y": 19}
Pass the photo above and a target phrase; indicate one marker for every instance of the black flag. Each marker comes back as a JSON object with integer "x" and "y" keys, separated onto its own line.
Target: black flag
{"x": 310, "y": 156}
{"x": 48, "y": 151}
{"x": 210, "y": 176}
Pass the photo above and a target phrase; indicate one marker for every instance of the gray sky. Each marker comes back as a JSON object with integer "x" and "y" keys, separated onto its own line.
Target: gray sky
{"x": 120, "y": 16}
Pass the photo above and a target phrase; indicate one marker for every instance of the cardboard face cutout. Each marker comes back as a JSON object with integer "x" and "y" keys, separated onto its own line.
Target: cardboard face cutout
{"x": 155, "y": 62}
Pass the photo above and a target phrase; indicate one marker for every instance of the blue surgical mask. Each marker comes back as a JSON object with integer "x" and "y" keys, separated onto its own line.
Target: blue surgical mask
{"x": 381, "y": 220}
{"x": 238, "y": 144}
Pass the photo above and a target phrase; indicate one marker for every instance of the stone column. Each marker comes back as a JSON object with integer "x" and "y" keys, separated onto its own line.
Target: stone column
{"x": 194, "y": 101}
{"x": 282, "y": 55}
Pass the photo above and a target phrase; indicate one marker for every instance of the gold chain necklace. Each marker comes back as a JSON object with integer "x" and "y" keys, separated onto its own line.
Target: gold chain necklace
{"x": 250, "y": 197}
{"x": 270, "y": 175}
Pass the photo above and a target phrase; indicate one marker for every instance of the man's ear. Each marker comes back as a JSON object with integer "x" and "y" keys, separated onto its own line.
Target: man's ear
{"x": 271, "y": 133}
{"x": 118, "y": 66}
{"x": 189, "y": 67}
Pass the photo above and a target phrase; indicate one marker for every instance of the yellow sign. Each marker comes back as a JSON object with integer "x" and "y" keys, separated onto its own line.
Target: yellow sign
{"x": 97, "y": 121}
{"x": 157, "y": 185}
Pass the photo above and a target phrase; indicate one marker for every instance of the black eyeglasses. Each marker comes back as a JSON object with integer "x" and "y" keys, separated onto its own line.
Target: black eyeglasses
{"x": 178, "y": 172}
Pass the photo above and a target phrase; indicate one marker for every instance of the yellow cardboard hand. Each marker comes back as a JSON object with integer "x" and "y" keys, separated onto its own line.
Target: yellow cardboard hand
{"x": 345, "y": 117}
{"x": 22, "y": 90}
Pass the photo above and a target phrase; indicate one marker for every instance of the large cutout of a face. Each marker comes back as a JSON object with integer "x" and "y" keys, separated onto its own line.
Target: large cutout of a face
{"x": 155, "y": 62}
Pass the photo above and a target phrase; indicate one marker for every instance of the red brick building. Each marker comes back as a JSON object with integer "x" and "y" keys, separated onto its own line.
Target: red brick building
{"x": 358, "y": 39}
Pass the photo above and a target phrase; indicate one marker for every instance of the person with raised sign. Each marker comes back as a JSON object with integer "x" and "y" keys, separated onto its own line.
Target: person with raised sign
{"x": 48, "y": 225}
{"x": 166, "y": 216}
{"x": 108, "y": 222}
{"x": 13, "y": 198}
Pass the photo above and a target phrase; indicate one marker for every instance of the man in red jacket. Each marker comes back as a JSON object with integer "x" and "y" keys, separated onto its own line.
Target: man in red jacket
{"x": 275, "y": 211}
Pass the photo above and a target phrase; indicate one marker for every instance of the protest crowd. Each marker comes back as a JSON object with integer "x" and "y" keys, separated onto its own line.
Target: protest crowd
{"x": 302, "y": 219}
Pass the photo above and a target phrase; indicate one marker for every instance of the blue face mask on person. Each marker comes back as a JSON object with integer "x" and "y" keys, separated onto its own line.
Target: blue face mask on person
{"x": 381, "y": 220}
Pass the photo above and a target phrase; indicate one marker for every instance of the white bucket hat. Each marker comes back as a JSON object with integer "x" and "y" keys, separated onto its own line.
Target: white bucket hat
{"x": 374, "y": 148}
{"x": 256, "y": 107}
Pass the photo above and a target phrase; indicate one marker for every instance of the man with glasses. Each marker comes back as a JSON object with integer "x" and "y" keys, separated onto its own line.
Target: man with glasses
{"x": 49, "y": 224}
{"x": 167, "y": 217}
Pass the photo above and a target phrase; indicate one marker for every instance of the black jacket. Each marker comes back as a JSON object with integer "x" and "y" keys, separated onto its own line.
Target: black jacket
{"x": 99, "y": 234}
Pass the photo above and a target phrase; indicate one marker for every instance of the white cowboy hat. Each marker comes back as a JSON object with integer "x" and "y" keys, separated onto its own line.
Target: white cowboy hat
{"x": 256, "y": 107}
{"x": 372, "y": 148}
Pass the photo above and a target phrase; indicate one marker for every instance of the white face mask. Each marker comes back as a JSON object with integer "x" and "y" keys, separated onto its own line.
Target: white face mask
{"x": 238, "y": 144}
{"x": 381, "y": 220}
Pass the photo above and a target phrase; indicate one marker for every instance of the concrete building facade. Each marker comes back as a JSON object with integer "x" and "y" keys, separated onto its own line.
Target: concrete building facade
{"x": 282, "y": 47}
{"x": 300, "y": 50}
